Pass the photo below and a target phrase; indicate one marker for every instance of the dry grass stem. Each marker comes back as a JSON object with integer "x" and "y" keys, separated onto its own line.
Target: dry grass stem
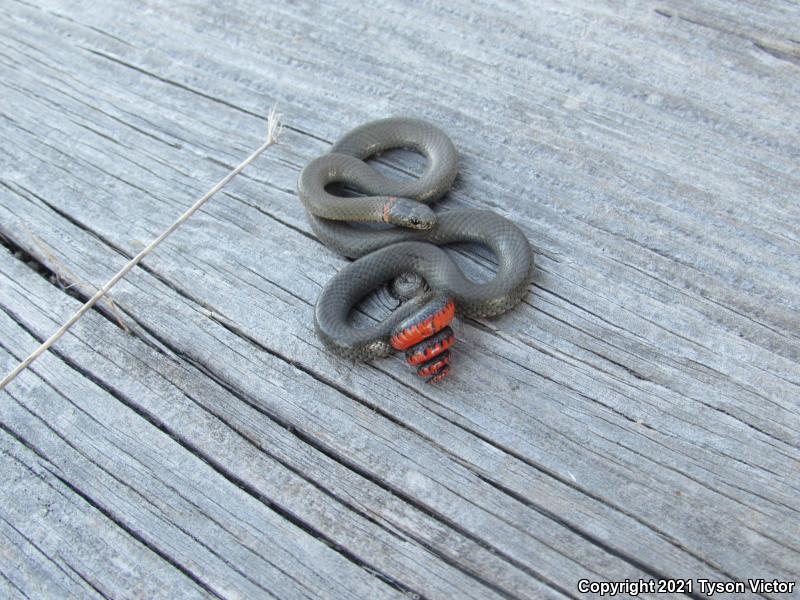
{"x": 273, "y": 132}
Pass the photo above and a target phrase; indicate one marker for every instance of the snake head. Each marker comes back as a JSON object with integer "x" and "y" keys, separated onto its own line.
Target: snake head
{"x": 405, "y": 212}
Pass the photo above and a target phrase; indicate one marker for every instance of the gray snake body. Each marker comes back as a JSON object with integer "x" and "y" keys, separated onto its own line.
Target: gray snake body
{"x": 420, "y": 324}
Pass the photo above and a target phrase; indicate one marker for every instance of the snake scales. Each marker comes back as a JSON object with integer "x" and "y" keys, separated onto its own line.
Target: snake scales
{"x": 420, "y": 325}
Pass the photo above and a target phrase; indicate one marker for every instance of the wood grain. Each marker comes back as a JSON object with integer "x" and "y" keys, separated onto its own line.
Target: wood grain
{"x": 637, "y": 416}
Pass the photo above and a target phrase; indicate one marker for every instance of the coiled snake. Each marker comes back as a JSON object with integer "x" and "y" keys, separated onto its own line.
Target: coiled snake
{"x": 420, "y": 325}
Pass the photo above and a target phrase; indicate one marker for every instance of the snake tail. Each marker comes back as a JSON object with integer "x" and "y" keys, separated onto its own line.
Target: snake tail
{"x": 426, "y": 338}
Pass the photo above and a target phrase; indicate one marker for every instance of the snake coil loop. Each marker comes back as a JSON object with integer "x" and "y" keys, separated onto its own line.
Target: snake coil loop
{"x": 420, "y": 326}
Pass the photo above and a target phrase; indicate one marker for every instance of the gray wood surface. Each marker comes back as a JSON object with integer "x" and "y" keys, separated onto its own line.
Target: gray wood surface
{"x": 637, "y": 416}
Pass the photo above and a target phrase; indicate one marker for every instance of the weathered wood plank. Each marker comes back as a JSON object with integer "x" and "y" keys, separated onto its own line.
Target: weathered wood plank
{"x": 646, "y": 420}
{"x": 437, "y": 534}
{"x": 225, "y": 538}
{"x": 47, "y": 552}
{"x": 261, "y": 455}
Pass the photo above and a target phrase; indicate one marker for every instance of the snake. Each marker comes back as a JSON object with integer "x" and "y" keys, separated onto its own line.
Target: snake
{"x": 406, "y": 248}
